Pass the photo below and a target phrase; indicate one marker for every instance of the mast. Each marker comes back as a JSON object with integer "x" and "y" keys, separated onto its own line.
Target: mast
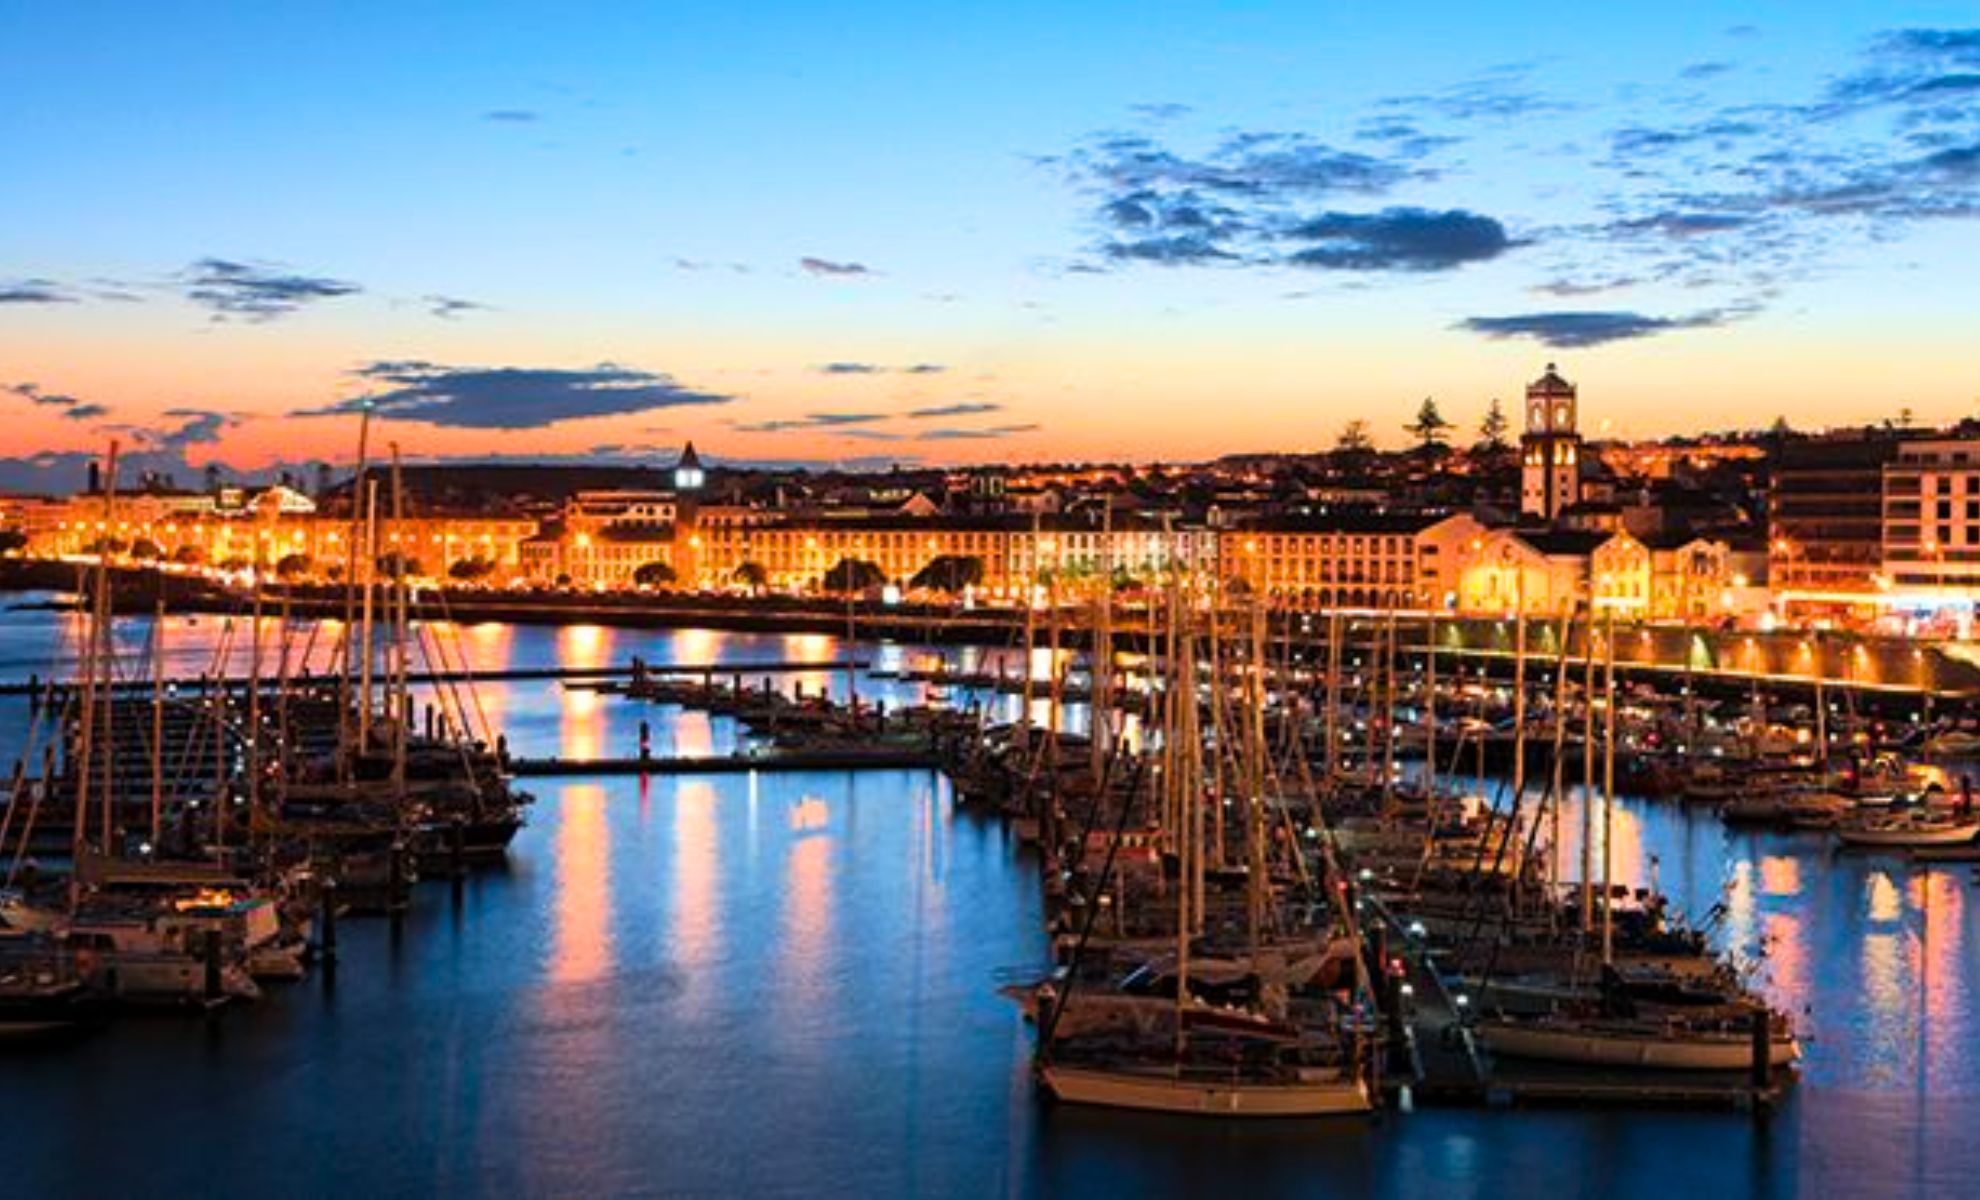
{"x": 254, "y": 713}
{"x": 1430, "y": 710}
{"x": 1030, "y": 640}
{"x": 1588, "y": 776}
{"x": 1332, "y": 756}
{"x": 107, "y": 654}
{"x": 370, "y": 563}
{"x": 1608, "y": 785}
{"x": 157, "y": 720}
{"x": 1100, "y": 704}
{"x": 1519, "y": 717}
{"x": 352, "y": 557}
{"x": 401, "y": 699}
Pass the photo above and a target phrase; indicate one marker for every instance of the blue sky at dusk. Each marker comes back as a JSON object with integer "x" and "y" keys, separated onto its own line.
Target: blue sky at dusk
{"x": 881, "y": 232}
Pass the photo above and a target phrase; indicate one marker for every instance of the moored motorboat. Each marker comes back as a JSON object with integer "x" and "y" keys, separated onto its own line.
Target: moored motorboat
{"x": 1650, "y": 1043}
{"x": 1905, "y": 829}
{"x": 1156, "y": 1087}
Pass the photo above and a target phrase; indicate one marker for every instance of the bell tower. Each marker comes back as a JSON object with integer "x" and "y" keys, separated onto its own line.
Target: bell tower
{"x": 1550, "y": 449}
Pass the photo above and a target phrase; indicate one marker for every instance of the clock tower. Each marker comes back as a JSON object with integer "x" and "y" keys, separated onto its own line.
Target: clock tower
{"x": 1550, "y": 449}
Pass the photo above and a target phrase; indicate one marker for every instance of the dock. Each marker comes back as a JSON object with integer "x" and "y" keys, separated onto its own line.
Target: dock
{"x": 730, "y": 764}
{"x": 577, "y": 676}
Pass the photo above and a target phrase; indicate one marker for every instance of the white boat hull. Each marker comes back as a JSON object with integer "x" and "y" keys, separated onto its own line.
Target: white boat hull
{"x": 1903, "y": 836}
{"x": 1600, "y": 1048}
{"x": 1159, "y": 1092}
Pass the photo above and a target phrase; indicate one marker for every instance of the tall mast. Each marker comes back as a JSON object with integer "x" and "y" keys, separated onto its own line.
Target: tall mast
{"x": 254, "y": 713}
{"x": 1608, "y": 785}
{"x": 369, "y": 561}
{"x": 1331, "y": 758}
{"x": 1588, "y": 775}
{"x": 400, "y": 694}
{"x": 353, "y": 555}
{"x": 1430, "y": 709}
{"x": 107, "y": 654}
{"x": 1519, "y": 719}
{"x": 1030, "y": 640}
{"x": 157, "y": 720}
{"x": 1101, "y": 681}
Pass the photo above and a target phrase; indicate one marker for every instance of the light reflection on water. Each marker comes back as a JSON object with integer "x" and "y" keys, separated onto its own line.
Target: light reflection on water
{"x": 787, "y": 984}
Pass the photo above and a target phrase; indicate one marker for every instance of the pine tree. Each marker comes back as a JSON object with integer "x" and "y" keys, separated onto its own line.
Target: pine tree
{"x": 1492, "y": 430}
{"x": 1430, "y": 427}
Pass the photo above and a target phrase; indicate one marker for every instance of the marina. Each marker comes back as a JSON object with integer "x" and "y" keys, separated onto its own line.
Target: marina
{"x": 1761, "y": 878}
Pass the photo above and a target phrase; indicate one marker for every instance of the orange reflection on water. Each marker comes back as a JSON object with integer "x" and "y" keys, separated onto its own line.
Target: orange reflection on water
{"x": 582, "y": 941}
{"x": 694, "y": 734}
{"x": 586, "y": 647}
{"x": 806, "y": 935}
{"x": 697, "y": 907}
{"x": 1780, "y": 875}
{"x": 489, "y": 646}
{"x": 581, "y": 722}
{"x": 698, "y": 647}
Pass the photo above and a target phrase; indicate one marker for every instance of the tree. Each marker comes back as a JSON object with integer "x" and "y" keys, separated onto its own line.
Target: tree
{"x": 1354, "y": 438}
{"x": 393, "y": 565}
{"x": 469, "y": 569}
{"x": 289, "y": 566}
{"x": 12, "y": 541}
{"x": 1430, "y": 428}
{"x": 146, "y": 549}
{"x": 653, "y": 574}
{"x": 750, "y": 575}
{"x": 236, "y": 562}
{"x": 949, "y": 573}
{"x": 1492, "y": 430}
{"x": 853, "y": 575}
{"x": 106, "y": 545}
{"x": 189, "y": 555}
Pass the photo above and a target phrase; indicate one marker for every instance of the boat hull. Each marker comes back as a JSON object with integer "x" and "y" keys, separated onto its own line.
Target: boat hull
{"x": 1153, "y": 1092}
{"x": 1597, "y": 1048}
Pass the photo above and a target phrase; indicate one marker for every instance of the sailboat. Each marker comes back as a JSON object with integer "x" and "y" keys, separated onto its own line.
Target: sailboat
{"x": 1173, "y": 1045}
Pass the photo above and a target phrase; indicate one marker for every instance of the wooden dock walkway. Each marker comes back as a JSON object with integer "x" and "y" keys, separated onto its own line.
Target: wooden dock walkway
{"x": 731, "y": 764}
{"x": 573, "y": 675}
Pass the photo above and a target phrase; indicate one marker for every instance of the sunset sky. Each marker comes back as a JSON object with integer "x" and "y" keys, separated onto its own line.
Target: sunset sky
{"x": 886, "y": 232}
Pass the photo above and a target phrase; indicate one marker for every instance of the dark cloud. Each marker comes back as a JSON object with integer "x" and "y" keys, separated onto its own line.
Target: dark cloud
{"x": 1160, "y": 110}
{"x": 868, "y": 368}
{"x": 258, "y": 293}
{"x": 1705, "y": 70}
{"x": 833, "y": 270}
{"x": 817, "y": 420}
{"x": 34, "y": 291}
{"x": 515, "y": 116}
{"x": 1578, "y": 330}
{"x": 511, "y": 397}
{"x": 1170, "y": 251}
{"x": 73, "y": 408}
{"x": 985, "y": 434}
{"x": 968, "y": 408}
{"x": 1397, "y": 239}
{"x": 197, "y": 427}
{"x": 449, "y": 307}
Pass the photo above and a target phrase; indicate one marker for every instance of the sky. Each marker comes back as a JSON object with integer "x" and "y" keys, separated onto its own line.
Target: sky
{"x": 881, "y": 232}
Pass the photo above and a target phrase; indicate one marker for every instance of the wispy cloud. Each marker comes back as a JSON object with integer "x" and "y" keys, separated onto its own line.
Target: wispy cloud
{"x": 72, "y": 407}
{"x": 870, "y": 368}
{"x": 967, "y": 408}
{"x": 1579, "y": 330}
{"x": 512, "y": 116}
{"x": 833, "y": 269}
{"x": 816, "y": 420}
{"x": 449, "y": 307}
{"x": 34, "y": 291}
{"x": 256, "y": 292}
{"x": 987, "y": 433}
{"x": 511, "y": 397}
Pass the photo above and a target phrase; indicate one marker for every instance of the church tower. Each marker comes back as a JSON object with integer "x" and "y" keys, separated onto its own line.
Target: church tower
{"x": 1550, "y": 449}
{"x": 688, "y": 476}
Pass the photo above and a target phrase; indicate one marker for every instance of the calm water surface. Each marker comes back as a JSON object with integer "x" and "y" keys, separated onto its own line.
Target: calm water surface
{"x": 786, "y": 985}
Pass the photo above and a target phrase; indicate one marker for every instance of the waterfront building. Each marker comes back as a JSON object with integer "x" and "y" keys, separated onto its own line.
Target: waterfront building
{"x": 1931, "y": 525}
{"x": 1351, "y": 559}
{"x": 1826, "y": 511}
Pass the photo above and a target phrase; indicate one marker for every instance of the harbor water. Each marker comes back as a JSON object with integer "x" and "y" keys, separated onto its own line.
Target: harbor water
{"x": 786, "y": 984}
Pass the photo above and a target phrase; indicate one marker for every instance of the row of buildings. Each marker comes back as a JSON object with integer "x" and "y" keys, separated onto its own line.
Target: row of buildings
{"x": 1861, "y": 524}
{"x": 1354, "y": 552}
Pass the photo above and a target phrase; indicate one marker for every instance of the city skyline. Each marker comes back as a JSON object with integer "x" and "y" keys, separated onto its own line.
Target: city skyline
{"x": 852, "y": 237}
